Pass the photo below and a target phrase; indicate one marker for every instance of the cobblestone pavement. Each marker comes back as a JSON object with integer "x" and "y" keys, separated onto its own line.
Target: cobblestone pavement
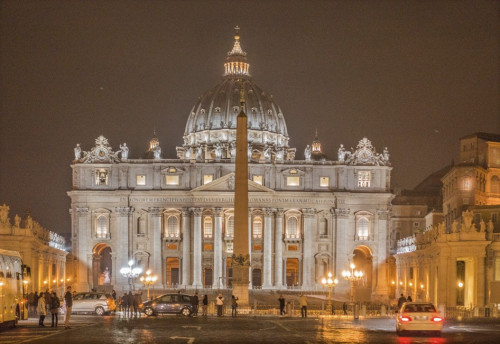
{"x": 176, "y": 329}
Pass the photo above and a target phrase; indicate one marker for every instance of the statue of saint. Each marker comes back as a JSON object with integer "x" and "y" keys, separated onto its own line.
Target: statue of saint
{"x": 29, "y": 222}
{"x": 250, "y": 151}
{"x": 218, "y": 151}
{"x": 267, "y": 153}
{"x": 482, "y": 226}
{"x": 307, "y": 153}
{"x": 17, "y": 221}
{"x": 385, "y": 154}
{"x": 341, "y": 153}
{"x": 78, "y": 152}
{"x": 157, "y": 152}
{"x": 107, "y": 276}
{"x": 124, "y": 150}
{"x": 199, "y": 153}
{"x": 232, "y": 147}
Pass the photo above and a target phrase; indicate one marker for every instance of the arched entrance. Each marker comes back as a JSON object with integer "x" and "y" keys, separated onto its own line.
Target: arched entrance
{"x": 363, "y": 259}
{"x": 172, "y": 272}
{"x": 102, "y": 267}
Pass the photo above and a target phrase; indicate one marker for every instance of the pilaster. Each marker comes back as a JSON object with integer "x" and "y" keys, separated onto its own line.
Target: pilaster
{"x": 268, "y": 248}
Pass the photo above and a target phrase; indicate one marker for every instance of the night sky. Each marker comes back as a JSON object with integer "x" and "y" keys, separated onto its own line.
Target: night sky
{"x": 414, "y": 76}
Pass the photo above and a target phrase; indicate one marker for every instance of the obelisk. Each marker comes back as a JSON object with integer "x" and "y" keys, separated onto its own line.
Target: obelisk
{"x": 241, "y": 258}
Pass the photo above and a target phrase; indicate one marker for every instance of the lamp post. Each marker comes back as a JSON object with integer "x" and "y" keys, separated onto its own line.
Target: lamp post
{"x": 330, "y": 284}
{"x": 148, "y": 280}
{"x": 130, "y": 272}
{"x": 353, "y": 276}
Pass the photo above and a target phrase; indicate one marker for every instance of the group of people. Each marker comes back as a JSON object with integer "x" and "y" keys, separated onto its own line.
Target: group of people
{"x": 129, "y": 303}
{"x": 402, "y": 299}
{"x": 48, "y": 301}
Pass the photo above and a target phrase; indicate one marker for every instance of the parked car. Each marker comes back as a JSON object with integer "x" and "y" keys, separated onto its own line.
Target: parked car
{"x": 419, "y": 316}
{"x": 93, "y": 302}
{"x": 168, "y": 303}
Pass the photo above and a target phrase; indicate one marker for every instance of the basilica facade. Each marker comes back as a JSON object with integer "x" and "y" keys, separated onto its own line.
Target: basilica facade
{"x": 175, "y": 216}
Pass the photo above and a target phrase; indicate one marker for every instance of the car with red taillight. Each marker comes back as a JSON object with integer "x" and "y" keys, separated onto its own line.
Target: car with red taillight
{"x": 419, "y": 316}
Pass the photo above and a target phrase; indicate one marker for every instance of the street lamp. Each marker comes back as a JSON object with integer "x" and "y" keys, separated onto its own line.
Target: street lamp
{"x": 330, "y": 284}
{"x": 130, "y": 273}
{"x": 148, "y": 280}
{"x": 352, "y": 276}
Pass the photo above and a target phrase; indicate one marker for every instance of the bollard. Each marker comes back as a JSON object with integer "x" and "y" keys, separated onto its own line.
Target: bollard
{"x": 288, "y": 309}
{"x": 487, "y": 312}
{"x": 356, "y": 311}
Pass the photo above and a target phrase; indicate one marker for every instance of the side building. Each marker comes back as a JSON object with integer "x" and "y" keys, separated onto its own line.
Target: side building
{"x": 175, "y": 216}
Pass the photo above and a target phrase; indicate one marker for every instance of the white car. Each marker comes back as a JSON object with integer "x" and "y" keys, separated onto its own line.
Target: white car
{"x": 419, "y": 316}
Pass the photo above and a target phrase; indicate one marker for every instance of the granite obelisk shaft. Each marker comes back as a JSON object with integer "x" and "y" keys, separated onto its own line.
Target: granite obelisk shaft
{"x": 241, "y": 261}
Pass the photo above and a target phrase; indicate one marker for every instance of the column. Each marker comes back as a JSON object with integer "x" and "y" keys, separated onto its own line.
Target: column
{"x": 480, "y": 276}
{"x": 278, "y": 242}
{"x": 197, "y": 283}
{"x": 268, "y": 248}
{"x": 308, "y": 258}
{"x": 156, "y": 240}
{"x": 250, "y": 246}
{"x": 218, "y": 250}
{"x": 451, "y": 282}
{"x": 84, "y": 228}
{"x": 186, "y": 248}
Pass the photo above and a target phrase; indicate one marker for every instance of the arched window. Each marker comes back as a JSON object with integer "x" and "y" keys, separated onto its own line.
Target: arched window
{"x": 172, "y": 227}
{"x": 323, "y": 227}
{"x": 141, "y": 226}
{"x": 230, "y": 227}
{"x": 292, "y": 230}
{"x": 102, "y": 226}
{"x": 495, "y": 185}
{"x": 207, "y": 227}
{"x": 257, "y": 227}
{"x": 363, "y": 228}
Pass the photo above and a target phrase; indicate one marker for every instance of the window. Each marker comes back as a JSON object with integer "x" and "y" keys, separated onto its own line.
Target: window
{"x": 172, "y": 180}
{"x": 364, "y": 179}
{"x": 293, "y": 181}
{"x": 292, "y": 230}
{"x": 207, "y": 227}
{"x": 363, "y": 228}
{"x": 102, "y": 226}
{"x": 141, "y": 226}
{"x": 207, "y": 178}
{"x": 172, "y": 227}
{"x": 141, "y": 180}
{"x": 230, "y": 227}
{"x": 466, "y": 184}
{"x": 257, "y": 179}
{"x": 495, "y": 185}
{"x": 324, "y": 182}
{"x": 257, "y": 227}
{"x": 101, "y": 177}
{"x": 323, "y": 227}
{"x": 416, "y": 224}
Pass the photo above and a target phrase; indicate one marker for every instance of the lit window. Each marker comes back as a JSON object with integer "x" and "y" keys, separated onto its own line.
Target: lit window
{"x": 230, "y": 227}
{"x": 172, "y": 227}
{"x": 172, "y": 180}
{"x": 257, "y": 227}
{"x": 102, "y": 226}
{"x": 141, "y": 180}
{"x": 324, "y": 181}
{"x": 207, "y": 178}
{"x": 467, "y": 184}
{"x": 207, "y": 227}
{"x": 364, "y": 178}
{"x": 292, "y": 230}
{"x": 101, "y": 177}
{"x": 257, "y": 179}
{"x": 363, "y": 228}
{"x": 293, "y": 181}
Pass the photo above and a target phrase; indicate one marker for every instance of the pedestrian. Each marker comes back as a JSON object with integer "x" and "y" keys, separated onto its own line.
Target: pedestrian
{"x": 42, "y": 310}
{"x": 31, "y": 300}
{"x": 68, "y": 299}
{"x": 409, "y": 299}
{"x": 333, "y": 309}
{"x": 281, "y": 300}
{"x": 303, "y": 305}
{"x": 401, "y": 300}
{"x": 48, "y": 299}
{"x": 35, "y": 302}
{"x": 234, "y": 306}
{"x": 124, "y": 303}
{"x": 54, "y": 308}
{"x": 113, "y": 294}
{"x": 194, "y": 303}
{"x": 205, "y": 305}
{"x": 137, "y": 302}
{"x": 220, "y": 303}
{"x": 130, "y": 302}
{"x": 344, "y": 308}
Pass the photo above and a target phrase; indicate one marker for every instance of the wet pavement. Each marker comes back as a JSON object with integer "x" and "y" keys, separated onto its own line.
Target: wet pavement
{"x": 245, "y": 329}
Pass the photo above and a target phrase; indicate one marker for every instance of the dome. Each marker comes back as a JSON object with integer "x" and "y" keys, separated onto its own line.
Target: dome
{"x": 211, "y": 127}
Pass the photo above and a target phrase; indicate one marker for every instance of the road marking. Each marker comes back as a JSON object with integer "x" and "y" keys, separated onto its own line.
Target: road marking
{"x": 281, "y": 325}
{"x": 56, "y": 332}
{"x": 196, "y": 327}
{"x": 190, "y": 340}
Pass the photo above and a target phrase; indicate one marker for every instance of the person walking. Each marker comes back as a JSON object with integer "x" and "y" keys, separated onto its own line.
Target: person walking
{"x": 194, "y": 304}
{"x": 42, "y": 310}
{"x": 130, "y": 302}
{"x": 344, "y": 308}
{"x": 401, "y": 300}
{"x": 137, "y": 302}
{"x": 205, "y": 305}
{"x": 35, "y": 302}
{"x": 125, "y": 304}
{"x": 234, "y": 306}
{"x": 68, "y": 299}
{"x": 54, "y": 308}
{"x": 281, "y": 300}
{"x": 220, "y": 303}
{"x": 31, "y": 300}
{"x": 303, "y": 305}
{"x": 113, "y": 294}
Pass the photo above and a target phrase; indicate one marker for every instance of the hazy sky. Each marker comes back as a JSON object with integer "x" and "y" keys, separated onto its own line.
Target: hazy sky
{"x": 414, "y": 76}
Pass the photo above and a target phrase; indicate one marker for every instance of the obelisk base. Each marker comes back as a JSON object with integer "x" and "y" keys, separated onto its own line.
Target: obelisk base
{"x": 240, "y": 284}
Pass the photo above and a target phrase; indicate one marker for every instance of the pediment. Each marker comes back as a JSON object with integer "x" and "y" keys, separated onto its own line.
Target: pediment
{"x": 226, "y": 184}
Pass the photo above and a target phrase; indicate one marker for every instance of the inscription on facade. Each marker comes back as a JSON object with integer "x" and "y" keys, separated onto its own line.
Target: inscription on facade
{"x": 229, "y": 200}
